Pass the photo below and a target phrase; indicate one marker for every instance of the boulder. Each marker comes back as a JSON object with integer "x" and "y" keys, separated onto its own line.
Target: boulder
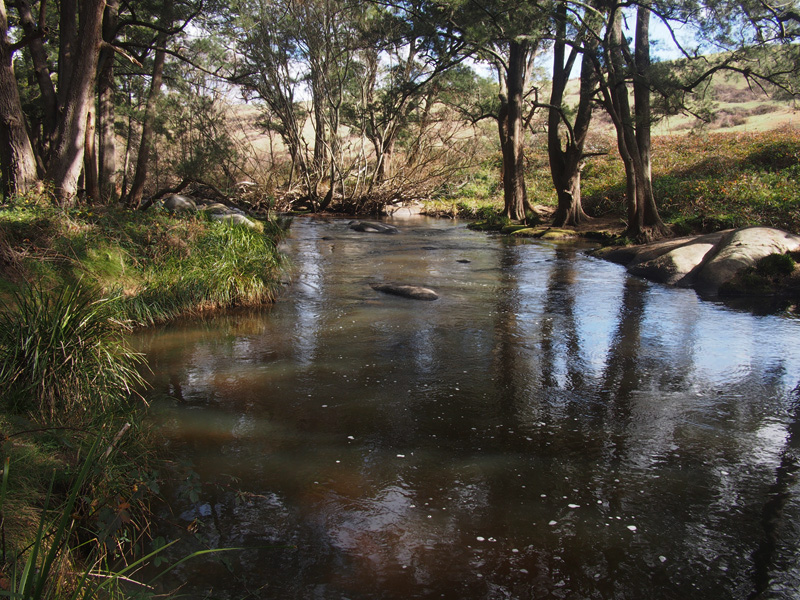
{"x": 739, "y": 250}
{"x": 176, "y": 203}
{"x": 671, "y": 263}
{"x": 371, "y": 227}
{"x": 406, "y": 291}
{"x": 404, "y": 210}
{"x": 216, "y": 208}
{"x": 704, "y": 262}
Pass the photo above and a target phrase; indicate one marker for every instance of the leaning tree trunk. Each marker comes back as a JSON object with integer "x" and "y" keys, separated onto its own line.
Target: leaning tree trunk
{"x": 515, "y": 195}
{"x": 38, "y": 53}
{"x": 66, "y": 160}
{"x": 137, "y": 189}
{"x": 16, "y": 153}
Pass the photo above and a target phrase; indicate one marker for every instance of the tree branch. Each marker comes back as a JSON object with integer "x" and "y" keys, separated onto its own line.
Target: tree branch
{"x": 121, "y": 52}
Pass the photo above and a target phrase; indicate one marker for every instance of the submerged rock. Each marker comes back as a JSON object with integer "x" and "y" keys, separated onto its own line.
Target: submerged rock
{"x": 407, "y": 291}
{"x": 705, "y": 262}
{"x": 372, "y": 227}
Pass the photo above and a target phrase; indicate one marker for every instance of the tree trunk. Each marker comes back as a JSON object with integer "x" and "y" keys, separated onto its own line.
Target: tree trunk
{"x": 90, "y": 179}
{"x": 66, "y": 161}
{"x": 623, "y": 119}
{"x": 67, "y": 47}
{"x": 16, "y": 153}
{"x": 107, "y": 139}
{"x": 566, "y": 161}
{"x": 137, "y": 188}
{"x": 512, "y": 135}
{"x": 649, "y": 220}
{"x": 41, "y": 66}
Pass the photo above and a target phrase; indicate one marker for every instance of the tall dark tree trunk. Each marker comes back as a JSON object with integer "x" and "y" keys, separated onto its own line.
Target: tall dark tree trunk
{"x": 512, "y": 139}
{"x": 137, "y": 188}
{"x": 107, "y": 139}
{"x": 566, "y": 159}
{"x": 633, "y": 130}
{"x": 650, "y": 224}
{"x": 67, "y": 46}
{"x": 49, "y": 99}
{"x": 66, "y": 160}
{"x": 16, "y": 153}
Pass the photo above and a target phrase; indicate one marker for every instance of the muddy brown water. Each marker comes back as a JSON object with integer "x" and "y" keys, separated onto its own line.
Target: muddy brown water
{"x": 549, "y": 428}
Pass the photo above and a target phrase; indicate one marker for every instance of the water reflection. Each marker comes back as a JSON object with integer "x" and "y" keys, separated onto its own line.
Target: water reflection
{"x": 549, "y": 428}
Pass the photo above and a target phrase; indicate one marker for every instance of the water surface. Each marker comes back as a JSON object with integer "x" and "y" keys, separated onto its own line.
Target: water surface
{"x": 549, "y": 428}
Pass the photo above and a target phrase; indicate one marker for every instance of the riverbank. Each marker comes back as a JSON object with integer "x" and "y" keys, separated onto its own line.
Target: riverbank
{"x": 702, "y": 182}
{"x": 73, "y": 282}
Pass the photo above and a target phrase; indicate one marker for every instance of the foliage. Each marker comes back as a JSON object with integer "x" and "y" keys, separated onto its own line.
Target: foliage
{"x": 775, "y": 265}
{"x": 70, "y": 549}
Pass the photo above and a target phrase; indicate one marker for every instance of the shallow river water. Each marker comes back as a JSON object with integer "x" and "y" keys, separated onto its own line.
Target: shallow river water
{"x": 549, "y": 428}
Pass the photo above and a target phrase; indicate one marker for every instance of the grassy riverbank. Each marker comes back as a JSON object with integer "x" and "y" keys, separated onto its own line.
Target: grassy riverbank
{"x": 78, "y": 467}
{"x": 702, "y": 182}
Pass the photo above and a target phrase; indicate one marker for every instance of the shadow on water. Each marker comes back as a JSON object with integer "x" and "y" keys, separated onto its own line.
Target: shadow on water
{"x": 549, "y": 428}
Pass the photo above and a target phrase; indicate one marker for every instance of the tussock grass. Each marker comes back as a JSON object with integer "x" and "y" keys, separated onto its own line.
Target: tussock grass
{"x": 62, "y": 355}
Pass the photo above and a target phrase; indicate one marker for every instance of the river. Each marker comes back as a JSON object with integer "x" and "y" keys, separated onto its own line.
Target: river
{"x": 550, "y": 427}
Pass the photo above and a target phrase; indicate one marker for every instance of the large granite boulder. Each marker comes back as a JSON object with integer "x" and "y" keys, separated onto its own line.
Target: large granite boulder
{"x": 233, "y": 219}
{"x": 704, "y": 262}
{"x": 739, "y": 250}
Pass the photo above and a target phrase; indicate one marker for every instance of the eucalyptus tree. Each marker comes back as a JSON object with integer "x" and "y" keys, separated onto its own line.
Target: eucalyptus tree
{"x": 751, "y": 39}
{"x": 508, "y": 35}
{"x": 79, "y": 35}
{"x": 573, "y": 39}
{"x": 16, "y": 152}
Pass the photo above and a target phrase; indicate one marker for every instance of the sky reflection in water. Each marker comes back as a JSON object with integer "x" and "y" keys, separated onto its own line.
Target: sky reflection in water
{"x": 549, "y": 428}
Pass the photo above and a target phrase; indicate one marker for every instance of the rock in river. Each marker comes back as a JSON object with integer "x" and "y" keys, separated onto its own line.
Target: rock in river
{"x": 704, "y": 262}
{"x": 371, "y": 227}
{"x": 407, "y": 291}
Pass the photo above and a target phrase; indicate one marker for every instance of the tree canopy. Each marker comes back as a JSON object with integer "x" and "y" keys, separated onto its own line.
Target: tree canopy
{"x": 359, "y": 103}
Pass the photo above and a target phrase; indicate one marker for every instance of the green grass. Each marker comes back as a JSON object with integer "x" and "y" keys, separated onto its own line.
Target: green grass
{"x": 702, "y": 182}
{"x": 708, "y": 182}
{"x": 160, "y": 266}
{"x": 63, "y": 356}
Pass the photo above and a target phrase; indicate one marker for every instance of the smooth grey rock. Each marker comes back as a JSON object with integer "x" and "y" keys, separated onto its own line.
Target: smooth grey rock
{"x": 234, "y": 219}
{"x": 703, "y": 262}
{"x": 671, "y": 263}
{"x": 371, "y": 227}
{"x": 216, "y": 208}
{"x": 175, "y": 203}
{"x": 407, "y": 291}
{"x": 738, "y": 250}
